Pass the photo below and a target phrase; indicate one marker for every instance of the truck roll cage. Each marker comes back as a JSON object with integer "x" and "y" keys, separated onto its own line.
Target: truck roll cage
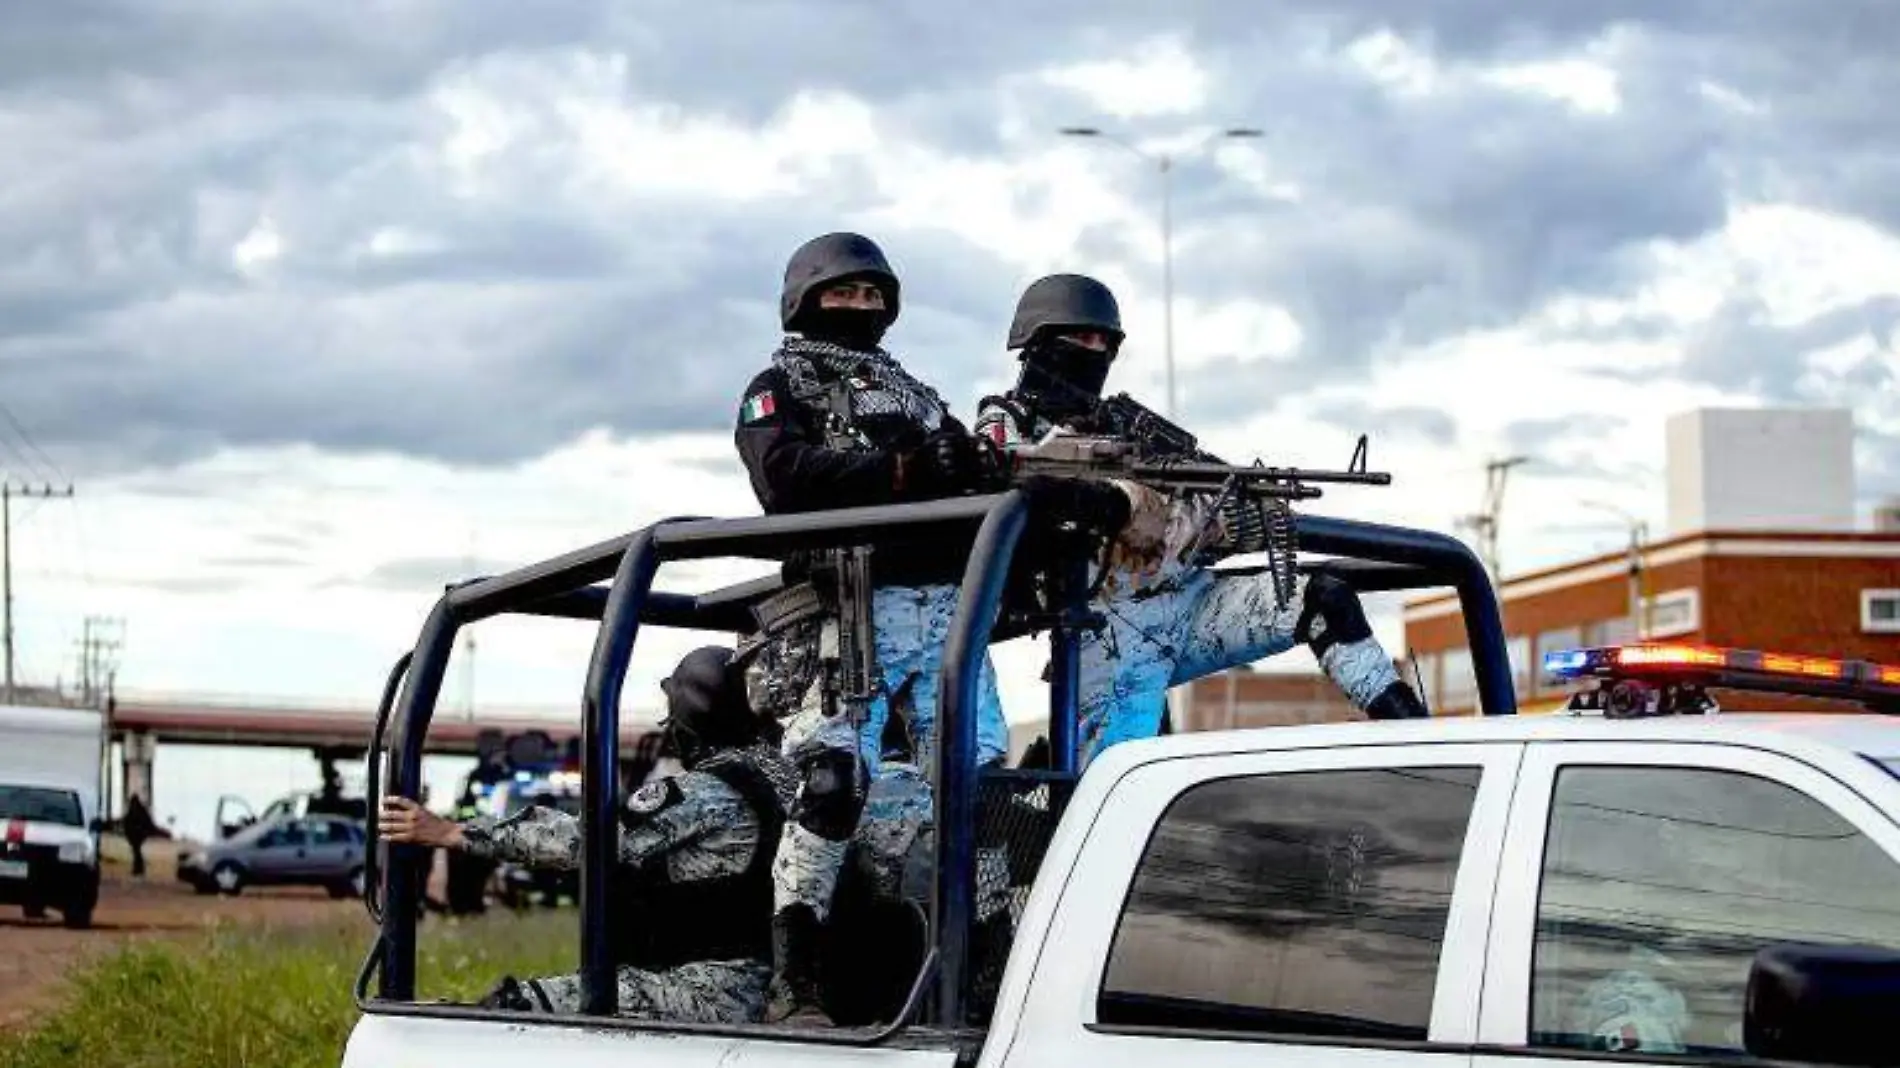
{"x": 1372, "y": 557}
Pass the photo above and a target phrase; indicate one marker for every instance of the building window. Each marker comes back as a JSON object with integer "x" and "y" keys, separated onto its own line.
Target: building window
{"x": 1673, "y": 613}
{"x": 1518, "y": 649}
{"x": 1661, "y": 883}
{"x": 1457, "y": 683}
{"x": 1880, "y": 611}
{"x": 1618, "y": 631}
{"x": 1305, "y": 903}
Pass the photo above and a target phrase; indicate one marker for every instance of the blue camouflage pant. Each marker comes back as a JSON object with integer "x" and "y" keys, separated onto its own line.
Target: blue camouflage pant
{"x": 912, "y": 625}
{"x": 1170, "y": 622}
{"x": 786, "y": 681}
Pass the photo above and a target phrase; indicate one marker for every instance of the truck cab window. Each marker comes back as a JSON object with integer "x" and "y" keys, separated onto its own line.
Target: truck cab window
{"x": 1307, "y": 903}
{"x": 41, "y": 804}
{"x": 1659, "y": 886}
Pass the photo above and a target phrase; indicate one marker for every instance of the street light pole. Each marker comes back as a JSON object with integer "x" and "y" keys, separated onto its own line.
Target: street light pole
{"x": 1167, "y": 274}
{"x": 1163, "y": 162}
{"x": 1638, "y": 572}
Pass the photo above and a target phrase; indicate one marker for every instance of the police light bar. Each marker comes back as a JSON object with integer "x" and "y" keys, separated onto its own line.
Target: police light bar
{"x": 1670, "y": 664}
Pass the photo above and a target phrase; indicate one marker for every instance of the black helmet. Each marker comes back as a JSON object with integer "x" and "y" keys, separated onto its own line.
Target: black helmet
{"x": 706, "y": 708}
{"x": 829, "y": 259}
{"x": 1066, "y": 301}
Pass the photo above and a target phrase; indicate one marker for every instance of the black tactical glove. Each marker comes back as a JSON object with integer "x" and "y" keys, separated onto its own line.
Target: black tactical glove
{"x": 1097, "y": 506}
{"x": 508, "y": 994}
{"x": 946, "y": 464}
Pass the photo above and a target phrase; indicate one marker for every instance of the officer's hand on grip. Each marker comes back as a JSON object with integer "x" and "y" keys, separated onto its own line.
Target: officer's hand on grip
{"x": 946, "y": 464}
{"x": 1098, "y": 506}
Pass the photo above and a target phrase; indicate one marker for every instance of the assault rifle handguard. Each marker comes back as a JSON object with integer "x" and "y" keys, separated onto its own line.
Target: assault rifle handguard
{"x": 1084, "y": 456}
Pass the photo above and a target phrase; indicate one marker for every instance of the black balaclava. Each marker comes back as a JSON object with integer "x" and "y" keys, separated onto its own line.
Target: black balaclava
{"x": 1061, "y": 379}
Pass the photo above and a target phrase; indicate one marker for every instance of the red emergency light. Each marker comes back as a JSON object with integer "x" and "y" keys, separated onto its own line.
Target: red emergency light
{"x": 1693, "y": 667}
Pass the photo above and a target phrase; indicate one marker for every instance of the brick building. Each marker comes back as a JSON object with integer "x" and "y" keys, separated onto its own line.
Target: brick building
{"x": 1763, "y": 554}
{"x": 1248, "y": 698}
{"x": 1821, "y": 592}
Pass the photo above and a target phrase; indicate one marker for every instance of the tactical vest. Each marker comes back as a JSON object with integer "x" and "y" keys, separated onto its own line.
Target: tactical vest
{"x": 665, "y": 924}
{"x": 857, "y": 415}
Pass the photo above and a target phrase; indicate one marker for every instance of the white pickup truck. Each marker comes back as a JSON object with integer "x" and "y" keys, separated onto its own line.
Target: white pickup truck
{"x": 1623, "y": 885}
{"x": 1467, "y": 892}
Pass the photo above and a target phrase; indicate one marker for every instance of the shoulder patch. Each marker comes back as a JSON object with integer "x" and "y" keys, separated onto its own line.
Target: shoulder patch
{"x": 651, "y": 798}
{"x": 760, "y": 405}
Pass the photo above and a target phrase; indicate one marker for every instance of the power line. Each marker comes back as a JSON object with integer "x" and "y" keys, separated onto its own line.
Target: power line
{"x": 8, "y": 491}
{"x": 61, "y": 476}
{"x": 98, "y": 657}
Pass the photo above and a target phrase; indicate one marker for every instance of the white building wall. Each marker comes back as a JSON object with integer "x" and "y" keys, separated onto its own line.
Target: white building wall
{"x": 1761, "y": 469}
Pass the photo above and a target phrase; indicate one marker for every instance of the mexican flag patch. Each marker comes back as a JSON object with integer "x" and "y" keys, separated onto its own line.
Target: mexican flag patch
{"x": 758, "y": 406}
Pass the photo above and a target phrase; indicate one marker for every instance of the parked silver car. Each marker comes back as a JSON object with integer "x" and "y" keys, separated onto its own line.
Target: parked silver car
{"x": 322, "y": 850}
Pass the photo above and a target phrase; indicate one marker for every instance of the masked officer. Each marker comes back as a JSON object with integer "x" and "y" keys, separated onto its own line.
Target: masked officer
{"x": 1169, "y": 619}
{"x": 836, "y": 422}
{"x": 694, "y": 941}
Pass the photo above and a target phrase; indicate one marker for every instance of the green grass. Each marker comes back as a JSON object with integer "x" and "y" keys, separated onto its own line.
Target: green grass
{"x": 268, "y": 996}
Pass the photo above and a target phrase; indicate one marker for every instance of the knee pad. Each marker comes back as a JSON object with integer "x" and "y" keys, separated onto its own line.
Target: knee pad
{"x": 1331, "y": 614}
{"x": 831, "y": 795}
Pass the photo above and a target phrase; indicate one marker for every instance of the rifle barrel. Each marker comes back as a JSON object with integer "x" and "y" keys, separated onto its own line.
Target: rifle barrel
{"x": 1214, "y": 473}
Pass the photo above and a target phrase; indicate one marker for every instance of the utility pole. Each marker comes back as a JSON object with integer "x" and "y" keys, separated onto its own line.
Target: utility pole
{"x": 8, "y": 491}
{"x": 468, "y": 643}
{"x": 1639, "y": 572}
{"x": 95, "y": 666}
{"x": 1484, "y": 524}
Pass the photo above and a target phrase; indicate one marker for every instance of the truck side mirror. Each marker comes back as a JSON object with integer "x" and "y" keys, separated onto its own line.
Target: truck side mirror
{"x": 1823, "y": 1005}
{"x": 96, "y": 825}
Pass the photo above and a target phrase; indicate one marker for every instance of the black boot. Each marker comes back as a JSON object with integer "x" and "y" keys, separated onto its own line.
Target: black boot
{"x": 794, "y": 997}
{"x": 1397, "y": 701}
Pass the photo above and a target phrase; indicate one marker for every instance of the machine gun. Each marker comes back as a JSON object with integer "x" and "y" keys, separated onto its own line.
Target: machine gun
{"x": 1124, "y": 418}
{"x": 1122, "y": 439}
{"x": 1087, "y": 455}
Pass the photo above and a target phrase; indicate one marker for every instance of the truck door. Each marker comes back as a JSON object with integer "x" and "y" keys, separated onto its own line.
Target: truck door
{"x": 1294, "y": 908}
{"x": 1641, "y": 878}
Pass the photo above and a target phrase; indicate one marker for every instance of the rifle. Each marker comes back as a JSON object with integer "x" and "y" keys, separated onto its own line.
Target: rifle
{"x": 1091, "y": 456}
{"x": 1124, "y": 418}
{"x": 857, "y": 650}
{"x": 1122, "y": 439}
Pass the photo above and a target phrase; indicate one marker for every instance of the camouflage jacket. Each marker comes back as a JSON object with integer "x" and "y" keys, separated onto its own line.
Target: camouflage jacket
{"x": 698, "y": 825}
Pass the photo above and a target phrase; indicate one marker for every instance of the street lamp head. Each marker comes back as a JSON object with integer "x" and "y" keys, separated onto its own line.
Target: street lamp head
{"x": 1243, "y": 131}
{"x": 1080, "y": 131}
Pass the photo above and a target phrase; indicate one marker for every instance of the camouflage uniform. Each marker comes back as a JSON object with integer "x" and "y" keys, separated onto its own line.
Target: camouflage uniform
{"x": 1171, "y": 620}
{"x": 690, "y": 828}
{"x": 786, "y": 680}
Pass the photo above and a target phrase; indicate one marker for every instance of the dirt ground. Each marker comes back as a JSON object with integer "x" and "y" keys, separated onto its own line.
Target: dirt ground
{"x": 35, "y": 955}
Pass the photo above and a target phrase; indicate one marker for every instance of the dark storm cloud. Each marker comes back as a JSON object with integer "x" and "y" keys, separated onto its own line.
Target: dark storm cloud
{"x": 147, "y": 139}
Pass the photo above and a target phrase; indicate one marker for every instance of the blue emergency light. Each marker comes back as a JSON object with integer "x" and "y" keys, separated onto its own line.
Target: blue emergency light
{"x": 1668, "y": 678}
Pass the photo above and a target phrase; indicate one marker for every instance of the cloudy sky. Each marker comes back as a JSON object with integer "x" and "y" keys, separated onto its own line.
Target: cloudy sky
{"x": 320, "y": 306}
